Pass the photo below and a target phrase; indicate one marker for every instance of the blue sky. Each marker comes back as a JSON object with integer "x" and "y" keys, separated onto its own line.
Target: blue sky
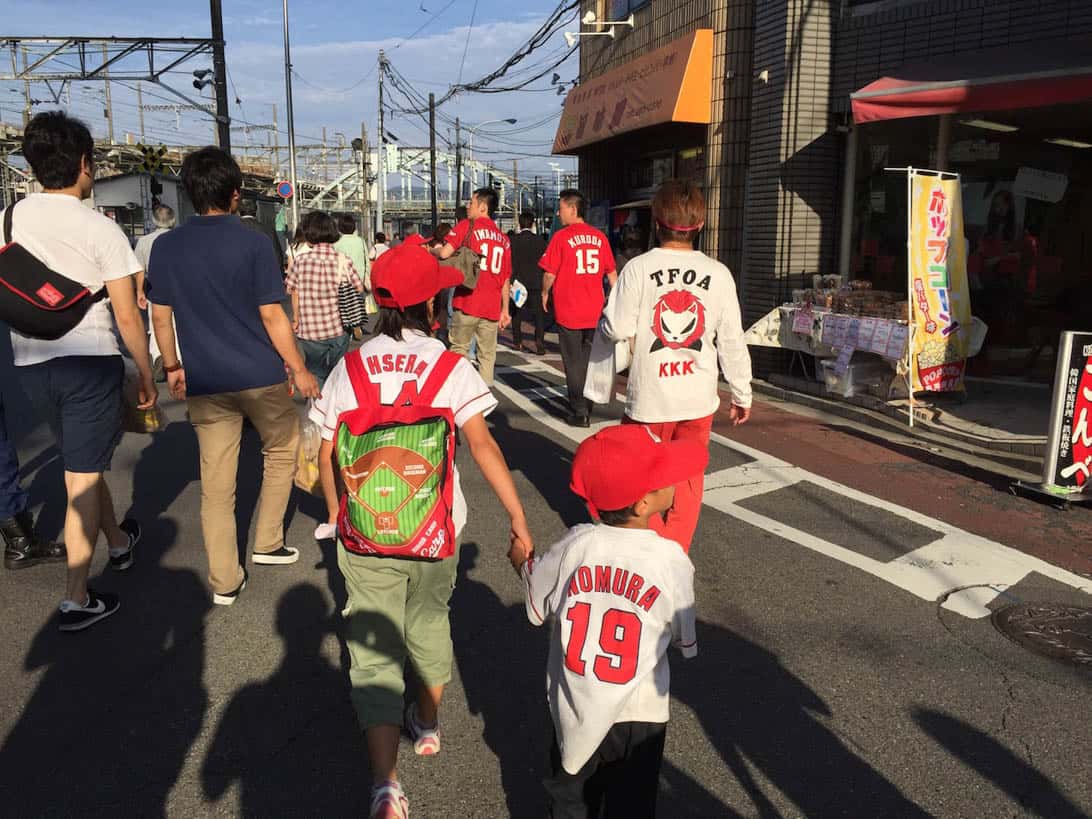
{"x": 334, "y": 46}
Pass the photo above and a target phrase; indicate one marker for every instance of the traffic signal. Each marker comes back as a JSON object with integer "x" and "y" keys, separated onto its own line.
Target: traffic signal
{"x": 203, "y": 77}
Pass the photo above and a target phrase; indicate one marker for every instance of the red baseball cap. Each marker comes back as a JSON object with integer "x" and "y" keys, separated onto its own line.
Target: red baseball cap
{"x": 619, "y": 465}
{"x": 409, "y": 275}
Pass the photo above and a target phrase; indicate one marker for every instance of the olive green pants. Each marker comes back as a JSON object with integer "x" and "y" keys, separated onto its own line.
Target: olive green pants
{"x": 397, "y": 610}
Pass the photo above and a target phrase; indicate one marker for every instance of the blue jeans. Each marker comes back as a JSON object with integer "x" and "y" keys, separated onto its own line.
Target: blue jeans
{"x": 323, "y": 355}
{"x": 13, "y": 499}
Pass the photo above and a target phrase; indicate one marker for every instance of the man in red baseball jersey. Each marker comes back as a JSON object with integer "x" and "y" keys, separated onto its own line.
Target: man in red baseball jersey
{"x": 481, "y": 312}
{"x": 575, "y": 262}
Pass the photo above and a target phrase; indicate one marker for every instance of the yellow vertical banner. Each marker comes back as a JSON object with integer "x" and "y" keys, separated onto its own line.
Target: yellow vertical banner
{"x": 940, "y": 297}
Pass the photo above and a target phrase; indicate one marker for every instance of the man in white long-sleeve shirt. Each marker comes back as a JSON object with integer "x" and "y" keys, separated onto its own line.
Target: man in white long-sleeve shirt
{"x": 680, "y": 312}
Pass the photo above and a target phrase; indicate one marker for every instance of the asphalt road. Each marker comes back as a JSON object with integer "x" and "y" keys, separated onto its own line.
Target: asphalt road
{"x": 833, "y": 678}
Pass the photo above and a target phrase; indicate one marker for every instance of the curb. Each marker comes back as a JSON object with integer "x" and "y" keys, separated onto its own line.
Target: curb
{"x": 1025, "y": 456}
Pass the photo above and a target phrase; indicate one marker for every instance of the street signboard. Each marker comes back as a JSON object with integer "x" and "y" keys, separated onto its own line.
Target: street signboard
{"x": 1069, "y": 444}
{"x": 284, "y": 189}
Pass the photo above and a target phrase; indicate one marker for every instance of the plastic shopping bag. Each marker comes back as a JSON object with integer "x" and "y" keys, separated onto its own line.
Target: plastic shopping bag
{"x": 307, "y": 459}
{"x": 135, "y": 419}
{"x": 600, "y": 379}
{"x": 518, "y": 293}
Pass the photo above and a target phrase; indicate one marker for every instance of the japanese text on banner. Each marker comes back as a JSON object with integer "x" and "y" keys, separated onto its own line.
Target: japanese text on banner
{"x": 938, "y": 274}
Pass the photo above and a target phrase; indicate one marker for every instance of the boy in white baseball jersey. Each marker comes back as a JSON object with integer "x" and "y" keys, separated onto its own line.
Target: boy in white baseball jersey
{"x": 617, "y": 595}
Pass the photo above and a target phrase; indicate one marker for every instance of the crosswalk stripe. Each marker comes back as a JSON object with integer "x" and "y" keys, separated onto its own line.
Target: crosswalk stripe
{"x": 964, "y": 570}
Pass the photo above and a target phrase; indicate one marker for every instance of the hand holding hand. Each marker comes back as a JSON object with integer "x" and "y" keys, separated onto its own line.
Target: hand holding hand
{"x": 519, "y": 553}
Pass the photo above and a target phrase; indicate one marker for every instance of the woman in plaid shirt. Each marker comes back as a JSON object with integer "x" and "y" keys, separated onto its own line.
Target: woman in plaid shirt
{"x": 312, "y": 281}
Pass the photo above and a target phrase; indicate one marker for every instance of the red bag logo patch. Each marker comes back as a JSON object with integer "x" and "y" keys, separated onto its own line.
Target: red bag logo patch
{"x": 49, "y": 294}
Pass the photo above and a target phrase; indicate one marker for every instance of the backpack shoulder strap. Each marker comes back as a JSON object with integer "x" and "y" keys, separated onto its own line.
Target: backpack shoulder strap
{"x": 366, "y": 392}
{"x": 439, "y": 375}
{"x": 8, "y": 211}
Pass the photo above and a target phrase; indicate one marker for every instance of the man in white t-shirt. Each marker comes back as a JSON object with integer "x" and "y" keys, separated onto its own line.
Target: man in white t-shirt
{"x": 75, "y": 382}
{"x": 164, "y": 218}
{"x": 617, "y": 595}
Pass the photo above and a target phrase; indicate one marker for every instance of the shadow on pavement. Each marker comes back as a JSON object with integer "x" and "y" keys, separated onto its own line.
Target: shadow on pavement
{"x": 291, "y": 742}
{"x": 118, "y": 707}
{"x": 756, "y": 712}
{"x": 542, "y": 461}
{"x": 502, "y": 664}
{"x": 1036, "y": 794}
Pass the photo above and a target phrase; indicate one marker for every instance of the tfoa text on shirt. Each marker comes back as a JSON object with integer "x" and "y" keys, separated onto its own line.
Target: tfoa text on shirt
{"x": 613, "y": 580}
{"x": 390, "y": 363}
{"x": 585, "y": 239}
{"x": 674, "y": 274}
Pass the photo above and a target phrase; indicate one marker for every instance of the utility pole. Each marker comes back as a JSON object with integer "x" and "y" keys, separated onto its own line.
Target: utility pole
{"x": 432, "y": 155}
{"x": 219, "y": 73}
{"x": 381, "y": 175}
{"x": 109, "y": 106}
{"x": 140, "y": 109}
{"x": 515, "y": 189}
{"x": 458, "y": 165}
{"x": 26, "y": 84}
{"x": 276, "y": 146}
{"x": 325, "y": 158}
{"x": 365, "y": 217}
{"x": 291, "y": 123}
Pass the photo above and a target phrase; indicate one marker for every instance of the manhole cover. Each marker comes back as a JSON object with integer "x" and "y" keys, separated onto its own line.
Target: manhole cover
{"x": 1051, "y": 629}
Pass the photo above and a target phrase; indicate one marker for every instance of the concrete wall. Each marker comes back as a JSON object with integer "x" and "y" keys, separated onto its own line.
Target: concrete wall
{"x": 790, "y": 222}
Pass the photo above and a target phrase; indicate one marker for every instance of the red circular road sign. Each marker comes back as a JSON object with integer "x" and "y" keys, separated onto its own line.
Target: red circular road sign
{"x": 284, "y": 189}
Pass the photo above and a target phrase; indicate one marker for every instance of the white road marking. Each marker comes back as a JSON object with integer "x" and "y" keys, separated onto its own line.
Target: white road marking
{"x": 955, "y": 560}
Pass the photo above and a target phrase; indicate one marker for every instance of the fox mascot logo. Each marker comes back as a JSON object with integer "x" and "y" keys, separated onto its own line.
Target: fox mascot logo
{"x": 678, "y": 321}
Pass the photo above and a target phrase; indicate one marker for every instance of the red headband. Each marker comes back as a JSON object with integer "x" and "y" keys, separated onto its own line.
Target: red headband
{"x": 680, "y": 229}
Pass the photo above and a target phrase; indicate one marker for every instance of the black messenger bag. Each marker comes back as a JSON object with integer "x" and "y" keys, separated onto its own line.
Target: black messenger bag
{"x": 35, "y": 300}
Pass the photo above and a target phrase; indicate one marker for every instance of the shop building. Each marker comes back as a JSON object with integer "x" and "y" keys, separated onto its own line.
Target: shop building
{"x": 810, "y": 100}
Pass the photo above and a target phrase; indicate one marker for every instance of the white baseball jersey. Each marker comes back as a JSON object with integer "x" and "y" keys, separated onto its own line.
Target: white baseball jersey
{"x": 617, "y": 598}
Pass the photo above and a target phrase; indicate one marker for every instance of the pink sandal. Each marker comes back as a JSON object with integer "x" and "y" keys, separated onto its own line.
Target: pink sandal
{"x": 426, "y": 741}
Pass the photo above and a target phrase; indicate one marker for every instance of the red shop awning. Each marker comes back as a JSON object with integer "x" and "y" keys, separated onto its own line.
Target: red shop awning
{"x": 1023, "y": 75}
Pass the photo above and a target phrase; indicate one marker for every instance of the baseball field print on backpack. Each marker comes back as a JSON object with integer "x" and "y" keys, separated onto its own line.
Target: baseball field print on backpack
{"x": 397, "y": 465}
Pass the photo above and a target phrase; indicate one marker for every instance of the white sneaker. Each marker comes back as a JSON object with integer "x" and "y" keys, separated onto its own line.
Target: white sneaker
{"x": 282, "y": 556}
{"x": 326, "y": 531}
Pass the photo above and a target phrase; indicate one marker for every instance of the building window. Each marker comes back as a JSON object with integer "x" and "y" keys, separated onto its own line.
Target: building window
{"x": 621, "y": 9}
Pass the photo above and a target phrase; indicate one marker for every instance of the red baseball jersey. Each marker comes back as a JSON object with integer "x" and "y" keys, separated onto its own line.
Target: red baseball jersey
{"x": 484, "y": 301}
{"x": 579, "y": 256}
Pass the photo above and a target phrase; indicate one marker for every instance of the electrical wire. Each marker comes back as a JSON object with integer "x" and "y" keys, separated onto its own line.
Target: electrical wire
{"x": 466, "y": 47}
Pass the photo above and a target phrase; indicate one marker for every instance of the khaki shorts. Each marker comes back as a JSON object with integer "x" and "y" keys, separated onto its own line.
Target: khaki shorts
{"x": 397, "y": 609}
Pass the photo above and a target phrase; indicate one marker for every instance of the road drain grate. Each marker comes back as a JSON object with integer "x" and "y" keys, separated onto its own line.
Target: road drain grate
{"x": 1052, "y": 629}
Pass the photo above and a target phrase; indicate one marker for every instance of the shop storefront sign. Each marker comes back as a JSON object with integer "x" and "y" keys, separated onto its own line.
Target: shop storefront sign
{"x": 1069, "y": 445}
{"x": 940, "y": 300}
{"x": 1045, "y": 186}
{"x": 669, "y": 84}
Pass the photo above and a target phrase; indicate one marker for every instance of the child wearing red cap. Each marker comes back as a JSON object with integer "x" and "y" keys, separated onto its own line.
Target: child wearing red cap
{"x": 398, "y": 608}
{"x": 617, "y": 595}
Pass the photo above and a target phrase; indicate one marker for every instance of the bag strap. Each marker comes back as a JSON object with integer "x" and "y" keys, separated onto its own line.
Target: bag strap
{"x": 443, "y": 367}
{"x": 469, "y": 233}
{"x": 366, "y": 392}
{"x": 7, "y": 222}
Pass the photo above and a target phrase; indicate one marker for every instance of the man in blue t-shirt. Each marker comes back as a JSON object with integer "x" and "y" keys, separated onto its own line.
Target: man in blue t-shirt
{"x": 221, "y": 284}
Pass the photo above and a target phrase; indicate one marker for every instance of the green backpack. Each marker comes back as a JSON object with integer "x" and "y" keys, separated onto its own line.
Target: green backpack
{"x": 397, "y": 464}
